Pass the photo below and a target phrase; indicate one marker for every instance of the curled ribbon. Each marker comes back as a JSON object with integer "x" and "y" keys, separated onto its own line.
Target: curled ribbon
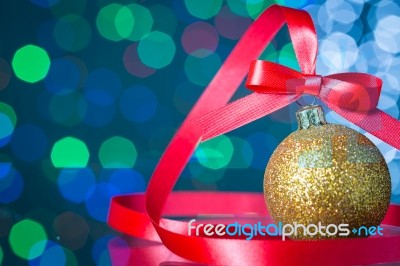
{"x": 352, "y": 95}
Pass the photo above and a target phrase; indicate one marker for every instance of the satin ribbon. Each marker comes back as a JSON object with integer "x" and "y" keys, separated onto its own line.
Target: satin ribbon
{"x": 141, "y": 215}
{"x": 354, "y": 96}
{"x": 357, "y": 92}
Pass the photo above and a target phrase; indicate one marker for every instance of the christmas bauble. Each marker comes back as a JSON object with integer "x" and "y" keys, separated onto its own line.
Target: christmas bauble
{"x": 328, "y": 174}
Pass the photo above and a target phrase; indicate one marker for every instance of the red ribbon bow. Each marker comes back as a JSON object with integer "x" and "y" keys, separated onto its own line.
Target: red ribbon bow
{"x": 352, "y": 91}
{"x": 354, "y": 96}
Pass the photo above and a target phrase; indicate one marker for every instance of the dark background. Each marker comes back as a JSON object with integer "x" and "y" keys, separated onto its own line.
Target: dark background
{"x": 122, "y": 91}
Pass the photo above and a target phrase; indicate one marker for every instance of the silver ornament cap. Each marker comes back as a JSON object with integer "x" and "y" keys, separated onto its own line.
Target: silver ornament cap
{"x": 310, "y": 116}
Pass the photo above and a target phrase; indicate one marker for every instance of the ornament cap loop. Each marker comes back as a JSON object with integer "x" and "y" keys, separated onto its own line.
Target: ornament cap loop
{"x": 310, "y": 116}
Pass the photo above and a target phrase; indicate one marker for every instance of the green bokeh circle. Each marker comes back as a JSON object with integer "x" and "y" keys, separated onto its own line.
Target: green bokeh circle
{"x": 215, "y": 153}
{"x": 31, "y": 63}
{"x": 28, "y": 239}
{"x": 204, "y": 9}
{"x": 117, "y": 152}
{"x": 156, "y": 49}
{"x": 70, "y": 152}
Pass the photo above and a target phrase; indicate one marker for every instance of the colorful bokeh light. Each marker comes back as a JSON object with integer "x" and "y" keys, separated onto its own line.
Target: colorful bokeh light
{"x": 203, "y": 9}
{"x": 215, "y": 153}
{"x": 102, "y": 86}
{"x": 201, "y": 66}
{"x": 156, "y": 49}
{"x": 117, "y": 152}
{"x": 8, "y": 120}
{"x": 76, "y": 185}
{"x": 97, "y": 204}
{"x": 127, "y": 181}
{"x": 198, "y": 36}
{"x": 65, "y": 76}
{"x": 124, "y": 22}
{"x": 11, "y": 183}
{"x": 230, "y": 25}
{"x": 143, "y": 22}
{"x": 70, "y": 152}
{"x": 165, "y": 21}
{"x": 28, "y": 239}
{"x": 72, "y": 230}
{"x": 115, "y": 22}
{"x": 53, "y": 253}
{"x": 31, "y": 63}
{"x": 138, "y": 104}
{"x": 133, "y": 63}
{"x": 72, "y": 33}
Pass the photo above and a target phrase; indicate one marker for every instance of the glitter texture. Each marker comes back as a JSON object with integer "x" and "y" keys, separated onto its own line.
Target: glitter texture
{"x": 329, "y": 174}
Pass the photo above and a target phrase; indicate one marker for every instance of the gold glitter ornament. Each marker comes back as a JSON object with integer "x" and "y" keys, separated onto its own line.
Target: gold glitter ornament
{"x": 326, "y": 173}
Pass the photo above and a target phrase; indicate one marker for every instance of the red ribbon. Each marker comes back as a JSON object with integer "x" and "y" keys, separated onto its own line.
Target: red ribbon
{"x": 355, "y": 96}
{"x": 352, "y": 95}
{"x": 353, "y": 91}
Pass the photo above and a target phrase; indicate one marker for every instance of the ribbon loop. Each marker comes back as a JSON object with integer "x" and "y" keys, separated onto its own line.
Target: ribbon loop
{"x": 272, "y": 78}
{"x": 357, "y": 92}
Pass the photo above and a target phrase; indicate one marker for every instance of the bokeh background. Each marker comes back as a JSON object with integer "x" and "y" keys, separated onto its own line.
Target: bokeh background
{"x": 91, "y": 91}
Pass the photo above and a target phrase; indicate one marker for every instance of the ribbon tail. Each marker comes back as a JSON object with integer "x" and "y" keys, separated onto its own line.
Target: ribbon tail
{"x": 128, "y": 214}
{"x": 241, "y": 112}
{"x": 375, "y": 122}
